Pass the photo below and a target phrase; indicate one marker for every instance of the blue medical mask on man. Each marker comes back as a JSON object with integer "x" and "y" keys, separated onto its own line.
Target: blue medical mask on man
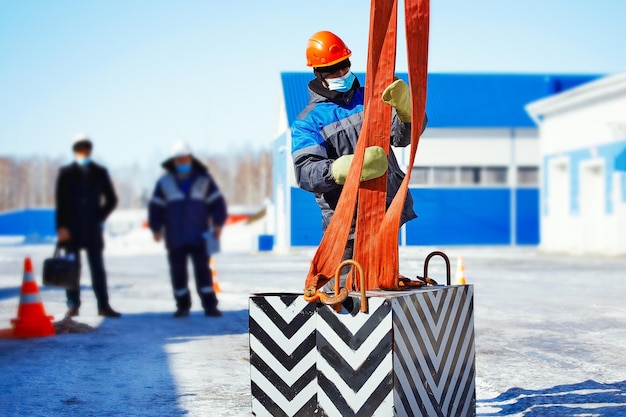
{"x": 341, "y": 84}
{"x": 82, "y": 160}
{"x": 183, "y": 168}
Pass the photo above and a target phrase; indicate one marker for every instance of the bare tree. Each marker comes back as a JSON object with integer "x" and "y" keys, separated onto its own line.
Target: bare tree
{"x": 245, "y": 178}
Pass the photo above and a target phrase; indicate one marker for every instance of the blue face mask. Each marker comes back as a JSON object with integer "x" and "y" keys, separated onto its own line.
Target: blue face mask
{"x": 183, "y": 168}
{"x": 82, "y": 160}
{"x": 341, "y": 84}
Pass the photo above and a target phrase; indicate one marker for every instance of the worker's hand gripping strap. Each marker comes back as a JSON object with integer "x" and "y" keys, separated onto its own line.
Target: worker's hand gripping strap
{"x": 377, "y": 233}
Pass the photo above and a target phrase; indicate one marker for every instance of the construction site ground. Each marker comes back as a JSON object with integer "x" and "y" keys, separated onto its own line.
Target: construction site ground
{"x": 550, "y": 333}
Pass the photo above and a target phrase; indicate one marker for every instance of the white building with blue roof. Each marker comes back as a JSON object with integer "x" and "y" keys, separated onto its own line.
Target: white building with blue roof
{"x": 583, "y": 154}
{"x": 476, "y": 176}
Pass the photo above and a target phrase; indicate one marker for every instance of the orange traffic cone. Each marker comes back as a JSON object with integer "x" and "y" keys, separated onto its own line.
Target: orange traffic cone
{"x": 31, "y": 320}
{"x": 459, "y": 277}
{"x": 216, "y": 285}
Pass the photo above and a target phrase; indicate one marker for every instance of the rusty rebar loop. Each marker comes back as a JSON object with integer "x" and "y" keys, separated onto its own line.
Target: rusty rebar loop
{"x": 445, "y": 258}
{"x": 312, "y": 294}
{"x": 359, "y": 268}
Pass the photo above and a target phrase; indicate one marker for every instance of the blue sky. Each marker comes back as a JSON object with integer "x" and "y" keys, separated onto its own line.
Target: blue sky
{"x": 138, "y": 74}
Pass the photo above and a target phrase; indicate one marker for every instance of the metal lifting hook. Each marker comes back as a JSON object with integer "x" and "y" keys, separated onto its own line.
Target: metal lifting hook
{"x": 312, "y": 294}
{"x": 426, "y": 262}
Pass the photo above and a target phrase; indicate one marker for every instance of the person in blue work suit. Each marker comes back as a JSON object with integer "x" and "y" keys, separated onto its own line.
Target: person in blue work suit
{"x": 186, "y": 203}
{"x": 324, "y": 135}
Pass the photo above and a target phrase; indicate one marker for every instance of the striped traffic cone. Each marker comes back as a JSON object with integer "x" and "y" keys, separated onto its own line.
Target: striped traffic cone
{"x": 216, "y": 285}
{"x": 31, "y": 320}
{"x": 459, "y": 277}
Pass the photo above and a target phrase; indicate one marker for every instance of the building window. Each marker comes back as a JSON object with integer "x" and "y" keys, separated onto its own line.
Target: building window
{"x": 420, "y": 175}
{"x": 496, "y": 175}
{"x": 470, "y": 175}
{"x": 444, "y": 176}
{"x": 528, "y": 175}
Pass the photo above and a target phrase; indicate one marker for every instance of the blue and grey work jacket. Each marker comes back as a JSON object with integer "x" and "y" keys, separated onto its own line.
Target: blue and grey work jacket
{"x": 184, "y": 208}
{"x": 328, "y": 128}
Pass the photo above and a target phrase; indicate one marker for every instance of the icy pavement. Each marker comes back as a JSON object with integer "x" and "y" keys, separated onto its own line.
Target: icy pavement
{"x": 550, "y": 335}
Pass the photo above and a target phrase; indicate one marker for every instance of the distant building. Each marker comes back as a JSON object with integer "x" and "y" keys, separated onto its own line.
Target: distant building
{"x": 583, "y": 151}
{"x": 476, "y": 176}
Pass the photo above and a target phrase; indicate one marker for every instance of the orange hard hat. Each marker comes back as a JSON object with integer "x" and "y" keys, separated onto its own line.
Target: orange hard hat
{"x": 325, "y": 49}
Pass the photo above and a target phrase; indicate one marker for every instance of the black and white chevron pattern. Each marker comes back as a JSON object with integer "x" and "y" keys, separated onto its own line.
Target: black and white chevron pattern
{"x": 283, "y": 356}
{"x": 355, "y": 363}
{"x": 434, "y": 373}
{"x": 411, "y": 355}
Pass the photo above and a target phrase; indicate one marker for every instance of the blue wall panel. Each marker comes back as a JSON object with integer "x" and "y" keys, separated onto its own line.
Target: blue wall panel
{"x": 29, "y": 222}
{"x": 306, "y": 219}
{"x": 527, "y": 223}
{"x": 461, "y": 99}
{"x": 460, "y": 216}
{"x": 448, "y": 216}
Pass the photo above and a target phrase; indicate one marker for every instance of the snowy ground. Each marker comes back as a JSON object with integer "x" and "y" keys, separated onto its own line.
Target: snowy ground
{"x": 550, "y": 334}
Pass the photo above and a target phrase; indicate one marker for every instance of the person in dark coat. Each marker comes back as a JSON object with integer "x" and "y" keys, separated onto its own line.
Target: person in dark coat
{"x": 84, "y": 199}
{"x": 187, "y": 205}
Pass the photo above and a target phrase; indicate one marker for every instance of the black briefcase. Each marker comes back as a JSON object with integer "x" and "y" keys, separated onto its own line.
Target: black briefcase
{"x": 62, "y": 270}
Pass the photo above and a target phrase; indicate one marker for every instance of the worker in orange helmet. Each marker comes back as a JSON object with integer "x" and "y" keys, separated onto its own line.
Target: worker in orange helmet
{"x": 324, "y": 135}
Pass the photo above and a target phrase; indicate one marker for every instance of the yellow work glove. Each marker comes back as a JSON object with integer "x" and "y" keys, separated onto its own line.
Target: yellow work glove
{"x": 374, "y": 165}
{"x": 397, "y": 95}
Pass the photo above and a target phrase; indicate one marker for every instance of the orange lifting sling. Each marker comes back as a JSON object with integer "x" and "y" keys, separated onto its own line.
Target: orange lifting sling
{"x": 376, "y": 239}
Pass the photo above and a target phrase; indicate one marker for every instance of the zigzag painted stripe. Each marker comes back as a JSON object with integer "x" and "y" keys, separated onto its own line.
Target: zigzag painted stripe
{"x": 355, "y": 378}
{"x": 378, "y": 385}
{"x": 353, "y": 330}
{"x": 289, "y": 361}
{"x": 263, "y": 359}
{"x": 263, "y": 404}
{"x": 435, "y": 347}
{"x": 355, "y": 363}
{"x": 288, "y": 318}
{"x": 260, "y": 323}
{"x": 434, "y": 353}
{"x": 333, "y": 403}
{"x": 408, "y": 355}
{"x": 467, "y": 396}
{"x": 349, "y": 350}
{"x": 283, "y": 356}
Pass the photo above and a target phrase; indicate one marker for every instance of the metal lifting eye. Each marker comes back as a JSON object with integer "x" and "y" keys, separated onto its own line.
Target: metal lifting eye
{"x": 341, "y": 293}
{"x": 431, "y": 281}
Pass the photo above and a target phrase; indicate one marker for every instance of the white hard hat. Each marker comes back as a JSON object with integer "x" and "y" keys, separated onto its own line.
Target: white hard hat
{"x": 81, "y": 139}
{"x": 180, "y": 148}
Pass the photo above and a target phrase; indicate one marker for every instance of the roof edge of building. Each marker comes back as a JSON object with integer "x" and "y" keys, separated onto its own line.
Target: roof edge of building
{"x": 592, "y": 90}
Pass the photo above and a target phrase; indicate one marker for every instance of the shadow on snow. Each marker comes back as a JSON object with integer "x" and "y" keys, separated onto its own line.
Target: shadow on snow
{"x": 588, "y": 398}
{"x": 10, "y": 292}
{"x": 120, "y": 369}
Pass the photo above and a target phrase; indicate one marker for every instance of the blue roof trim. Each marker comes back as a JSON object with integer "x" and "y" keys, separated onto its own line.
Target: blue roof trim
{"x": 458, "y": 100}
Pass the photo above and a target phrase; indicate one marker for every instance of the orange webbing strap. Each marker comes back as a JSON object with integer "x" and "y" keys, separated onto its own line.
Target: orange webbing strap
{"x": 377, "y": 232}
{"x": 417, "y": 14}
{"x": 381, "y": 62}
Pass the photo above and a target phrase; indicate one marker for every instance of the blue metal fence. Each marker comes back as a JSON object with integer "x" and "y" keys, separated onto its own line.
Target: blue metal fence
{"x": 32, "y": 223}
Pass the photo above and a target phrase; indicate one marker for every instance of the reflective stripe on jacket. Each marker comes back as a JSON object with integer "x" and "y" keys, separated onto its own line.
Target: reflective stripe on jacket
{"x": 186, "y": 216}
{"x": 326, "y": 130}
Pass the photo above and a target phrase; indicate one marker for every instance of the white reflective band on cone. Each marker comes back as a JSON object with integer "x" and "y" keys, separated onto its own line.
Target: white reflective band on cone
{"x": 30, "y": 298}
{"x": 29, "y": 277}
